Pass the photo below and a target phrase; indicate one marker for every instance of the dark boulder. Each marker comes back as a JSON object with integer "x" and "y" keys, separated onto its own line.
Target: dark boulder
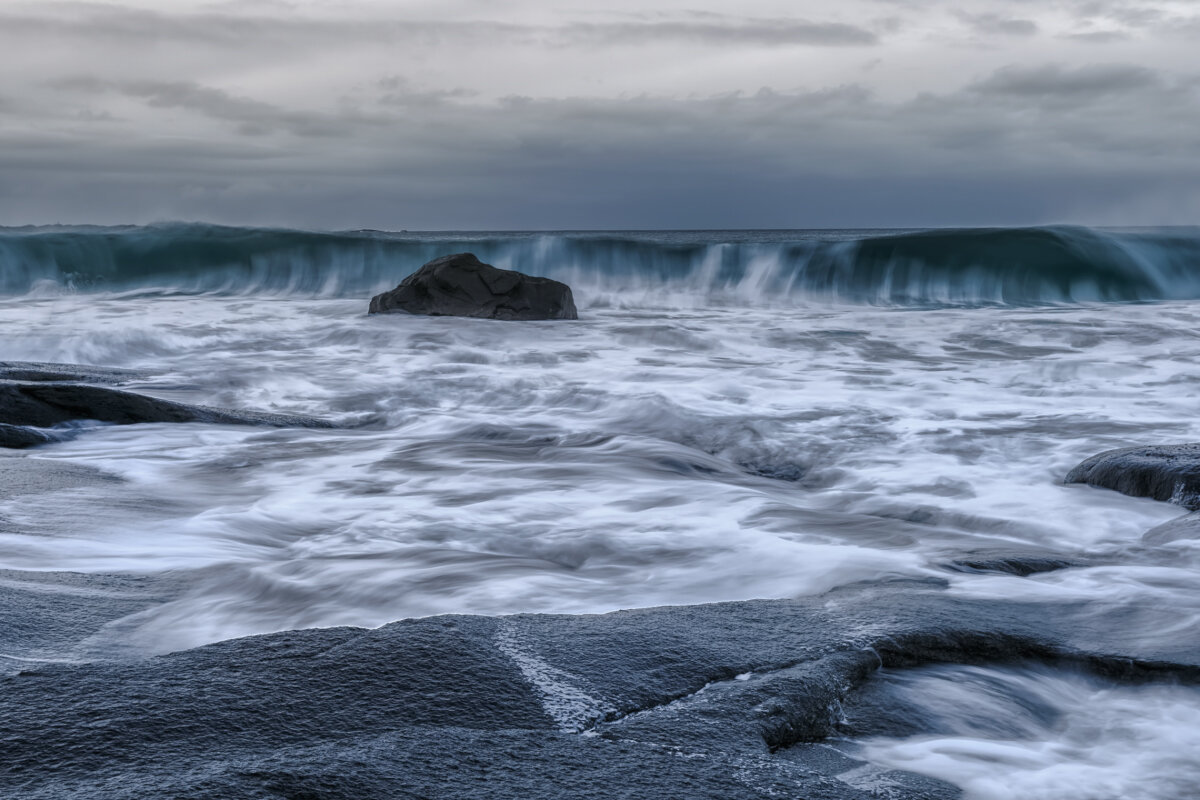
{"x": 463, "y": 286}
{"x": 1163, "y": 472}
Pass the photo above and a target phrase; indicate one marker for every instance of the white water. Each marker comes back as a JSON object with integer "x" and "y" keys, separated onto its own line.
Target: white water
{"x": 641, "y": 456}
{"x": 605, "y": 463}
{"x": 1035, "y": 734}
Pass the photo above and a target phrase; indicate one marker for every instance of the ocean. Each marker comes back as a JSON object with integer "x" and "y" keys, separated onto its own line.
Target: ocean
{"x": 736, "y": 415}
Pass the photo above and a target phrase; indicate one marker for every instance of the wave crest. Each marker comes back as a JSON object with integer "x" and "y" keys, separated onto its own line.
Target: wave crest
{"x": 1016, "y": 266}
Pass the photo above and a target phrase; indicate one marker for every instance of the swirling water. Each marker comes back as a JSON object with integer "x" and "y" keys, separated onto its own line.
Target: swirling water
{"x": 735, "y": 415}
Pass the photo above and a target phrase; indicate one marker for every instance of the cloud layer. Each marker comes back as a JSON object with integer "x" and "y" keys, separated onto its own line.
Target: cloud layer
{"x": 449, "y": 115}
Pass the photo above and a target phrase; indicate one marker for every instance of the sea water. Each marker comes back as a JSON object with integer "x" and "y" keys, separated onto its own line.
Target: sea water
{"x": 735, "y": 415}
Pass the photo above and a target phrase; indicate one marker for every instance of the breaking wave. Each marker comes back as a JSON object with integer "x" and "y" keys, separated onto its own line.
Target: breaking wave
{"x": 928, "y": 268}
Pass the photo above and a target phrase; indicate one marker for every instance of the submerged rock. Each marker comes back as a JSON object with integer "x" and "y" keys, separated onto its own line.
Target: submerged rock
{"x": 1185, "y": 527}
{"x": 1162, "y": 472}
{"x": 1020, "y": 564}
{"x": 463, "y": 286}
{"x": 18, "y": 436}
{"x": 27, "y": 406}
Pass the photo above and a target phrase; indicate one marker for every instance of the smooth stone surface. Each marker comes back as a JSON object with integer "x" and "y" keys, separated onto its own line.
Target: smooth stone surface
{"x": 712, "y": 701}
{"x": 1163, "y": 472}
{"x": 463, "y": 286}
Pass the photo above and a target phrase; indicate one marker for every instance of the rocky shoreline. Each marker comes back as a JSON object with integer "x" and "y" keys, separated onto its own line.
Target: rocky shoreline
{"x": 724, "y": 700}
{"x": 727, "y": 700}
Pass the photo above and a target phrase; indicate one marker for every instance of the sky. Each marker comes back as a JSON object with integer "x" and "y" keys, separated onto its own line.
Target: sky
{"x": 465, "y": 114}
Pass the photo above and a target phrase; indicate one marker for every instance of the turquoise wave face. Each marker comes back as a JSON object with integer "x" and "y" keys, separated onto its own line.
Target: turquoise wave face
{"x": 930, "y": 268}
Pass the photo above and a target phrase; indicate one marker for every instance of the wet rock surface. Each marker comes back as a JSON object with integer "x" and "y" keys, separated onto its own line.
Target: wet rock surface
{"x": 1163, "y": 472}
{"x": 20, "y": 436}
{"x": 42, "y": 371}
{"x": 463, "y": 286}
{"x": 732, "y": 700}
{"x": 35, "y": 397}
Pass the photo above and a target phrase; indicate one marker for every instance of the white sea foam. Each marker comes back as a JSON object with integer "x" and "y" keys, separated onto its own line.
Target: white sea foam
{"x": 1040, "y": 735}
{"x": 636, "y": 457}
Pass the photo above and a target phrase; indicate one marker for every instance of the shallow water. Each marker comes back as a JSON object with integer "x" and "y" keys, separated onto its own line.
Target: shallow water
{"x": 637, "y": 457}
{"x": 1039, "y": 734}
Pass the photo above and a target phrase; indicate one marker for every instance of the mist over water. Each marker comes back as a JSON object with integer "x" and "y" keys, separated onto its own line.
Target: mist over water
{"x": 732, "y": 417}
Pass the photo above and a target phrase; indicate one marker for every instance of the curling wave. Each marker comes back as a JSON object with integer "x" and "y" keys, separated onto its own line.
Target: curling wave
{"x": 966, "y": 267}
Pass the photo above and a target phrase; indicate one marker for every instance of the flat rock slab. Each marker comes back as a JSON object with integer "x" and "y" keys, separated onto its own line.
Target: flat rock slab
{"x": 463, "y": 286}
{"x": 1163, "y": 472}
{"x": 713, "y": 701}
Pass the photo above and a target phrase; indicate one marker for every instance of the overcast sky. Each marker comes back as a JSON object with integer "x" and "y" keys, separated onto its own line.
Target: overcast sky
{"x": 466, "y": 114}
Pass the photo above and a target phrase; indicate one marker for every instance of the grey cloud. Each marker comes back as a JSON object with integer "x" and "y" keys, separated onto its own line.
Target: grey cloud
{"x": 992, "y": 24}
{"x": 401, "y": 93}
{"x": 1022, "y": 144}
{"x": 1147, "y": 18}
{"x": 1062, "y": 82}
{"x": 1136, "y": 15}
{"x": 519, "y": 173}
{"x": 251, "y": 117}
{"x": 767, "y": 32}
{"x": 1099, "y": 37}
{"x": 218, "y": 28}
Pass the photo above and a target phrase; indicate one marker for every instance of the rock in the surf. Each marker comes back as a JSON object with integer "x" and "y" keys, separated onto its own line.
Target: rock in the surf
{"x": 17, "y": 436}
{"x": 1163, "y": 472}
{"x": 463, "y": 286}
{"x": 26, "y": 406}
